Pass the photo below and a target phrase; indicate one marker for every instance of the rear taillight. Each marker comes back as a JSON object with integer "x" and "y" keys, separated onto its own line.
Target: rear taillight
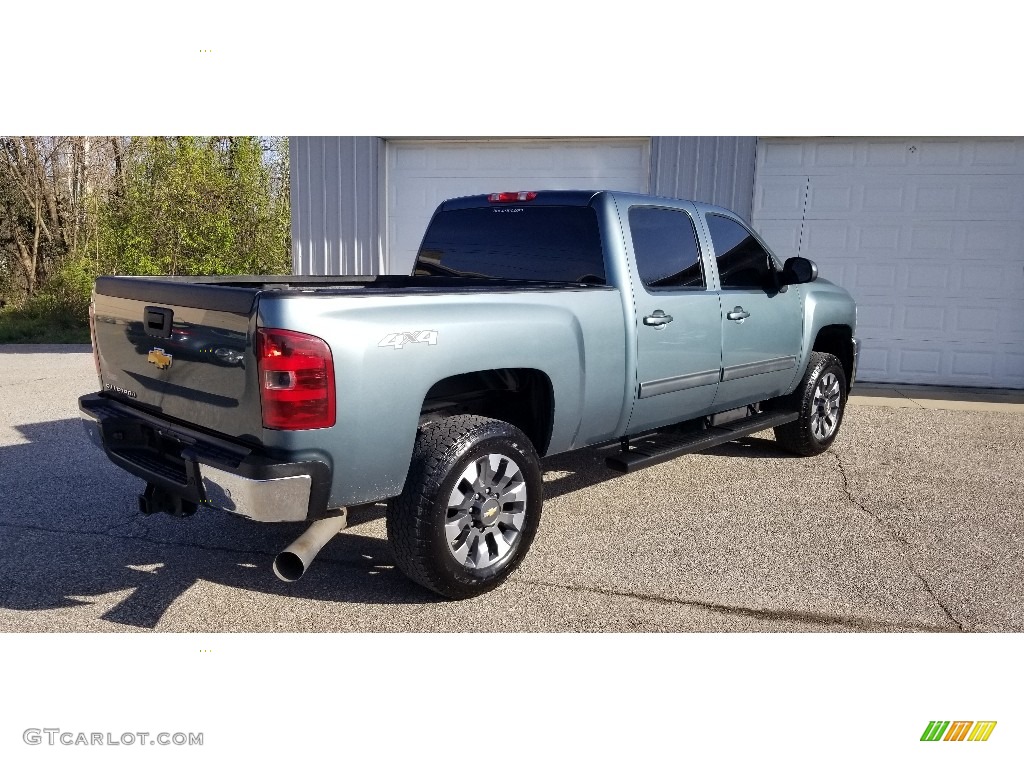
{"x": 511, "y": 197}
{"x": 92, "y": 338}
{"x": 296, "y": 373}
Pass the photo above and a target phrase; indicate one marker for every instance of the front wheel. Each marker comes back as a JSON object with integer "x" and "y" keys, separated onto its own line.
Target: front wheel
{"x": 470, "y": 507}
{"x": 821, "y": 400}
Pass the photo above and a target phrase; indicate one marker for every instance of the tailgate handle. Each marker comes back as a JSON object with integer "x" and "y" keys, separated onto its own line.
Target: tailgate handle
{"x": 157, "y": 321}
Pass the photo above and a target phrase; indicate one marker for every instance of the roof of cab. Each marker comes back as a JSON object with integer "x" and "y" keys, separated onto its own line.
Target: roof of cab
{"x": 572, "y": 197}
{"x": 544, "y": 197}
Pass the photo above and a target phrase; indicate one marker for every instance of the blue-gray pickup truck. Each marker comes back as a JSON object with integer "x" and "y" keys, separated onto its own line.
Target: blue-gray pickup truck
{"x": 533, "y": 323}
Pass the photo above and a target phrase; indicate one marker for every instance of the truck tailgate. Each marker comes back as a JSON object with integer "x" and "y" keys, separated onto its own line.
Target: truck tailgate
{"x": 181, "y": 350}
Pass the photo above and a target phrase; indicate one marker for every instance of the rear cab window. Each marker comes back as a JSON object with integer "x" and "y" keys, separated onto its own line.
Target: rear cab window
{"x": 556, "y": 243}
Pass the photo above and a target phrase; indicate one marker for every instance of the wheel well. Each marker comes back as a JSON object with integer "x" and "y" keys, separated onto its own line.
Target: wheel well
{"x": 521, "y": 396}
{"x": 837, "y": 340}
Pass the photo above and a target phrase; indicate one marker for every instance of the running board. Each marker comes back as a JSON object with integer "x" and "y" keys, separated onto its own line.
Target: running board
{"x": 653, "y": 449}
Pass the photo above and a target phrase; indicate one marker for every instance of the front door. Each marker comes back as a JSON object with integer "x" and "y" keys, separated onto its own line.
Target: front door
{"x": 761, "y": 324}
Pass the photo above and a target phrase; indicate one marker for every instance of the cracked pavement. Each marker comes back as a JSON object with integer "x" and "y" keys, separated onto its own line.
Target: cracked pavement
{"x": 911, "y": 522}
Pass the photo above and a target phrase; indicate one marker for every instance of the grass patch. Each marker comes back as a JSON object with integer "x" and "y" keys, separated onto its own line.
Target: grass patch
{"x": 33, "y": 325}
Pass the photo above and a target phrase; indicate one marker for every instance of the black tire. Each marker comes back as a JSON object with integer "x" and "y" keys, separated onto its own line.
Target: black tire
{"x": 416, "y": 520}
{"x": 818, "y": 424}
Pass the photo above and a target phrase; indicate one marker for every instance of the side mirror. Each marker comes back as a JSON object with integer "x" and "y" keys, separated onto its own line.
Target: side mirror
{"x": 799, "y": 270}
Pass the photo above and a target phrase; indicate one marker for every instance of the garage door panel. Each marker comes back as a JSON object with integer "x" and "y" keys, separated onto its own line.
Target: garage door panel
{"x": 423, "y": 173}
{"x": 887, "y": 155}
{"x": 928, "y": 236}
{"x": 780, "y": 198}
{"x": 407, "y": 161}
{"x": 875, "y": 319}
{"x": 831, "y": 237}
{"x": 782, "y": 157}
{"x": 950, "y": 363}
{"x": 914, "y": 363}
{"x": 998, "y": 155}
{"x": 934, "y": 200}
{"x": 962, "y": 281}
{"x": 882, "y": 198}
{"x": 1011, "y": 368}
{"x": 828, "y": 198}
{"x": 875, "y": 362}
{"x": 928, "y": 278}
{"x": 535, "y": 159}
{"x": 930, "y": 320}
{"x": 994, "y": 239}
{"x": 920, "y": 156}
{"x": 782, "y": 237}
{"x": 992, "y": 279}
{"x": 981, "y": 245}
{"x": 450, "y": 159}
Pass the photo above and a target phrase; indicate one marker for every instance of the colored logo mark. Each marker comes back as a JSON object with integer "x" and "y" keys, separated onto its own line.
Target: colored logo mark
{"x": 958, "y": 730}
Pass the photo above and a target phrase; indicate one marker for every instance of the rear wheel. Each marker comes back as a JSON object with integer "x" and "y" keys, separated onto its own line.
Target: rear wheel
{"x": 821, "y": 400}
{"x": 470, "y": 507}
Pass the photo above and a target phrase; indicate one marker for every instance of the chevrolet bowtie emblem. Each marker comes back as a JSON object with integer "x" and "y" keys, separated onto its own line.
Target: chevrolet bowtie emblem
{"x": 160, "y": 359}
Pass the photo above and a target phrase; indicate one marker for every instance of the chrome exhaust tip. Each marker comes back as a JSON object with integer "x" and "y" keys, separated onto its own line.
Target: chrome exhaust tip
{"x": 293, "y": 562}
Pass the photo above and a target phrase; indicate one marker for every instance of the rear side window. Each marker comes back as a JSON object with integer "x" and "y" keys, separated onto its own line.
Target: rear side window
{"x": 742, "y": 261}
{"x": 665, "y": 248}
{"x": 553, "y": 243}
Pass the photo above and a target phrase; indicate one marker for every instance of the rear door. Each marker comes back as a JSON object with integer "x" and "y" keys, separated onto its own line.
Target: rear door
{"x": 180, "y": 350}
{"x": 678, "y": 318}
{"x": 761, "y": 325}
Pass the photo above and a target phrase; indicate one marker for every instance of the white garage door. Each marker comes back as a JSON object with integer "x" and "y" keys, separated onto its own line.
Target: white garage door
{"x": 423, "y": 173}
{"x": 927, "y": 234}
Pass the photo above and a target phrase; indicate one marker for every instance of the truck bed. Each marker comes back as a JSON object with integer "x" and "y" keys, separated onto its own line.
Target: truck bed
{"x": 236, "y": 293}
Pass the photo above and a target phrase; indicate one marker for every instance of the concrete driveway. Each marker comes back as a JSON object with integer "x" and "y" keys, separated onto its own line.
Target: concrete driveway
{"x": 912, "y": 521}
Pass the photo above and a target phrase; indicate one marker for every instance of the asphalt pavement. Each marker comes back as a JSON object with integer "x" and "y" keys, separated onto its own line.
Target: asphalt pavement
{"x": 912, "y": 521}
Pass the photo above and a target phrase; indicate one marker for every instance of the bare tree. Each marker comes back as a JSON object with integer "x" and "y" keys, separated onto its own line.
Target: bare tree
{"x": 45, "y": 186}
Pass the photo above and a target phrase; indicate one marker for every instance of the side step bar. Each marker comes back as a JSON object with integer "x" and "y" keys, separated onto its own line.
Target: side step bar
{"x": 661, "y": 446}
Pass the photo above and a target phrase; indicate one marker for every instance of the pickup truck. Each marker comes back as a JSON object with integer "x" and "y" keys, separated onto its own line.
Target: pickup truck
{"x": 533, "y": 323}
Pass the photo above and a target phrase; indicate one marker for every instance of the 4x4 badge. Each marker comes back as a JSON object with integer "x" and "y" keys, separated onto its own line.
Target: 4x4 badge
{"x": 160, "y": 359}
{"x": 399, "y": 340}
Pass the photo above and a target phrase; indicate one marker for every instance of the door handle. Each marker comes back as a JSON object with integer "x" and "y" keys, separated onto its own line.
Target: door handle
{"x": 659, "y": 319}
{"x": 739, "y": 314}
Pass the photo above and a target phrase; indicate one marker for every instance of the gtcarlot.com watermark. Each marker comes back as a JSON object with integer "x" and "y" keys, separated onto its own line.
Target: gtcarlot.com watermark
{"x": 57, "y": 737}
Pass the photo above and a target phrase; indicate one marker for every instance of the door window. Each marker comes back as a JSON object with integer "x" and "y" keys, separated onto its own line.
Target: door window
{"x": 665, "y": 248}
{"x": 742, "y": 260}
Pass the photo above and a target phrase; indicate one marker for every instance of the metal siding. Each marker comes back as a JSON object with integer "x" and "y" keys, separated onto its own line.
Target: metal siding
{"x": 710, "y": 169}
{"x": 338, "y": 192}
{"x": 336, "y": 206}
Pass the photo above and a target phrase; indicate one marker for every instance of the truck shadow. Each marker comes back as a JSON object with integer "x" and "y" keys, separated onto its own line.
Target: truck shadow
{"x": 71, "y": 535}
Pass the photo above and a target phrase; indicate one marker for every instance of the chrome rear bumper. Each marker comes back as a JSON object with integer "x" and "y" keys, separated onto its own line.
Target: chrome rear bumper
{"x": 276, "y": 500}
{"x": 204, "y": 469}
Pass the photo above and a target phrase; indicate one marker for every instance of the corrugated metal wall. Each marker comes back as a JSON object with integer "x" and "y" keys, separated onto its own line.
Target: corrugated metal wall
{"x": 337, "y": 201}
{"x": 338, "y": 192}
{"x": 711, "y": 169}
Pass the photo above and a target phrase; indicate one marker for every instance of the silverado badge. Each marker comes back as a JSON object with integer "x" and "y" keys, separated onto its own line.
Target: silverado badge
{"x": 160, "y": 359}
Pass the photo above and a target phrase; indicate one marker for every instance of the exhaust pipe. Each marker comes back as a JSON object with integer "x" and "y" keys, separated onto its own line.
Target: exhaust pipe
{"x": 291, "y": 564}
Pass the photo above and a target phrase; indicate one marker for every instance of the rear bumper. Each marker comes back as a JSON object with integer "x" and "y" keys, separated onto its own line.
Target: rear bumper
{"x": 204, "y": 469}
